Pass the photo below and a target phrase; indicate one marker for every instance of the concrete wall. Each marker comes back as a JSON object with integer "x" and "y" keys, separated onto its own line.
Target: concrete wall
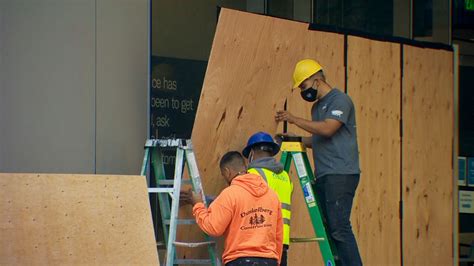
{"x": 122, "y": 70}
{"x": 73, "y": 85}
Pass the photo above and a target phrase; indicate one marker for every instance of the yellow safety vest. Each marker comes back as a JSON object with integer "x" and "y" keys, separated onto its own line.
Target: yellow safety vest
{"x": 282, "y": 185}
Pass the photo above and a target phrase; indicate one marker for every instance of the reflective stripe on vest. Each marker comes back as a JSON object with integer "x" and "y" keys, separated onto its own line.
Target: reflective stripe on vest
{"x": 285, "y": 206}
{"x": 284, "y": 190}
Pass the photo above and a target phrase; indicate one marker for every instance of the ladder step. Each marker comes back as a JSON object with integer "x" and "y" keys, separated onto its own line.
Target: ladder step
{"x": 181, "y": 221}
{"x": 194, "y": 244}
{"x": 171, "y": 181}
{"x": 306, "y": 239}
{"x": 193, "y": 261}
{"x": 160, "y": 190}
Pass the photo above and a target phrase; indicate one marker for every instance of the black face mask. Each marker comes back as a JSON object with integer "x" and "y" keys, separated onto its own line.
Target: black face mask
{"x": 309, "y": 94}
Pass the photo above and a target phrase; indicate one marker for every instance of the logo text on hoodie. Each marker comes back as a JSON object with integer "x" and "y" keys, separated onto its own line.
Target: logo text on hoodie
{"x": 257, "y": 218}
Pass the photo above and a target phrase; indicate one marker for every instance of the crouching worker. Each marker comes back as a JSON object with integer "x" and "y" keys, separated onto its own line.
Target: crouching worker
{"x": 247, "y": 212}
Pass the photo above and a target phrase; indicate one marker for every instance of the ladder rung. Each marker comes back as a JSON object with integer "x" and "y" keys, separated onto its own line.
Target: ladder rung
{"x": 171, "y": 182}
{"x": 160, "y": 244}
{"x": 193, "y": 261}
{"x": 306, "y": 239}
{"x": 181, "y": 221}
{"x": 194, "y": 244}
{"x": 160, "y": 190}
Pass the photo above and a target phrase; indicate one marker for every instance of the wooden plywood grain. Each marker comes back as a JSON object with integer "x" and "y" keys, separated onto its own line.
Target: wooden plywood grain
{"x": 75, "y": 219}
{"x": 373, "y": 82}
{"x": 427, "y": 156}
{"x": 248, "y": 78}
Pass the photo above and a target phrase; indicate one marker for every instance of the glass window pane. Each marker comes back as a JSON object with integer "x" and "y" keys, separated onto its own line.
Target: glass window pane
{"x": 370, "y": 16}
{"x": 423, "y": 18}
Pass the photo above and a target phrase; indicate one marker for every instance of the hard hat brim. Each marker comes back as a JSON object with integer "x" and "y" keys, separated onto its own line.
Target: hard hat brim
{"x": 246, "y": 150}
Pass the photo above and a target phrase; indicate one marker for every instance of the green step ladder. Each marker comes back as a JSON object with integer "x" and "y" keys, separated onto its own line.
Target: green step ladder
{"x": 168, "y": 191}
{"x": 293, "y": 149}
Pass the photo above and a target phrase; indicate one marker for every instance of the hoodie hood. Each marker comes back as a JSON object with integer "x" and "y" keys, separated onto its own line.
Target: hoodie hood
{"x": 254, "y": 184}
{"x": 269, "y": 163}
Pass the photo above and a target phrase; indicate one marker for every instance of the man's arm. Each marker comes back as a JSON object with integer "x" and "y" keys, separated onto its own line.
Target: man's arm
{"x": 308, "y": 142}
{"x": 337, "y": 114}
{"x": 186, "y": 197}
{"x": 325, "y": 128}
{"x": 215, "y": 219}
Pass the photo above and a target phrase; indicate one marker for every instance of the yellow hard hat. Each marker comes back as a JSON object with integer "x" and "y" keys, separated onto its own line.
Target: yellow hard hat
{"x": 303, "y": 70}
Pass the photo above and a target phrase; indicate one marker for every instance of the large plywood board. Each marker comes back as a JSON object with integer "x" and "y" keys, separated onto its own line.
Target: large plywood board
{"x": 75, "y": 219}
{"x": 373, "y": 82}
{"x": 249, "y": 77}
{"x": 427, "y": 156}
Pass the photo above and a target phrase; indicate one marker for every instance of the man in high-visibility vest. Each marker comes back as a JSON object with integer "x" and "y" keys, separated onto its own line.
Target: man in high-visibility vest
{"x": 260, "y": 151}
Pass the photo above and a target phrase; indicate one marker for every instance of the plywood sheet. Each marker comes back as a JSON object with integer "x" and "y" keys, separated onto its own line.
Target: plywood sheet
{"x": 248, "y": 78}
{"x": 427, "y": 156}
{"x": 373, "y": 82}
{"x": 75, "y": 219}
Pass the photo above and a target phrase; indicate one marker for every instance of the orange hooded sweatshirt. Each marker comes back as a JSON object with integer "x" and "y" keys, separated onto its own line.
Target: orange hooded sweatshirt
{"x": 248, "y": 213}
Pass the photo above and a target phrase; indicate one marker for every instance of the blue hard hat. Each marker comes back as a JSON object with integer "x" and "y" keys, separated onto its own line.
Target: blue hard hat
{"x": 260, "y": 138}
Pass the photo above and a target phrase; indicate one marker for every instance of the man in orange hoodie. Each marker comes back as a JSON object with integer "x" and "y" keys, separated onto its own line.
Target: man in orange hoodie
{"x": 247, "y": 212}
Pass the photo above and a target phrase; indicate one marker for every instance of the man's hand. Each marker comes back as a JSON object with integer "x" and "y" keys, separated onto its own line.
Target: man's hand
{"x": 196, "y": 198}
{"x": 186, "y": 197}
{"x": 285, "y": 116}
{"x": 279, "y": 137}
{"x": 189, "y": 197}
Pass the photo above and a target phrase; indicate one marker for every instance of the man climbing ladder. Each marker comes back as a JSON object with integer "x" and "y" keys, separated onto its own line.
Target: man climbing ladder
{"x": 336, "y": 158}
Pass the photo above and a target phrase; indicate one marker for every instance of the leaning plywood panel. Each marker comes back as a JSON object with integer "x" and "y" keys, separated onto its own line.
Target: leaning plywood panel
{"x": 248, "y": 78}
{"x": 427, "y": 156}
{"x": 373, "y": 82}
{"x": 75, "y": 219}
